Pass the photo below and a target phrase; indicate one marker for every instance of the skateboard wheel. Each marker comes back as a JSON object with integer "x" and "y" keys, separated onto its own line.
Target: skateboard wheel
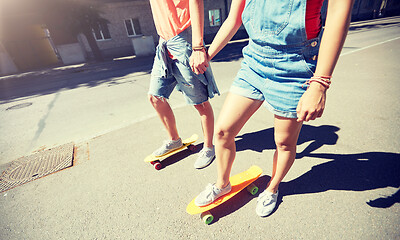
{"x": 157, "y": 165}
{"x": 252, "y": 189}
{"x": 191, "y": 148}
{"x": 207, "y": 217}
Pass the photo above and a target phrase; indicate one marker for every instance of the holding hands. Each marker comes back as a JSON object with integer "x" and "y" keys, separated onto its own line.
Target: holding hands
{"x": 199, "y": 60}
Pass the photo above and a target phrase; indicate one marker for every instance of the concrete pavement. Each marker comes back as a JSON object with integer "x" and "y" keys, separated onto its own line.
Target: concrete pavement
{"x": 343, "y": 185}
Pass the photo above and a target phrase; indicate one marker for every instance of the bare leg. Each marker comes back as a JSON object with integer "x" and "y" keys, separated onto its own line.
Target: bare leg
{"x": 287, "y": 132}
{"x": 166, "y": 115}
{"x": 234, "y": 114}
{"x": 207, "y": 122}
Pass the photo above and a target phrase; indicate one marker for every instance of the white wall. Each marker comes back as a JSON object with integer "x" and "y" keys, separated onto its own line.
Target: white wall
{"x": 71, "y": 53}
{"x": 7, "y": 65}
{"x": 143, "y": 46}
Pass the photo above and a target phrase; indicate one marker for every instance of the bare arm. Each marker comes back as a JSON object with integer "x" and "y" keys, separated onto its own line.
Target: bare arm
{"x": 312, "y": 103}
{"x": 336, "y": 28}
{"x": 198, "y": 59}
{"x": 196, "y": 9}
{"x": 228, "y": 28}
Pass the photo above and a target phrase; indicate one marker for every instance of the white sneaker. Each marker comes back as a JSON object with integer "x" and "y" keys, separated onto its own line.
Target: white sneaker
{"x": 266, "y": 203}
{"x": 206, "y": 156}
{"x": 167, "y": 147}
{"x": 210, "y": 194}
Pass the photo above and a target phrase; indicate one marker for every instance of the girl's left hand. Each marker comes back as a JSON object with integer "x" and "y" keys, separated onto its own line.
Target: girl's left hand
{"x": 312, "y": 103}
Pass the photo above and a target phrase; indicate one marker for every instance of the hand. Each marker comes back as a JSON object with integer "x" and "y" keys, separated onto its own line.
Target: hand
{"x": 312, "y": 103}
{"x": 199, "y": 61}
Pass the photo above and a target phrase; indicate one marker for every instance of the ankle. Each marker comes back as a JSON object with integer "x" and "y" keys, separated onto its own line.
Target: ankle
{"x": 272, "y": 190}
{"x": 210, "y": 146}
{"x": 222, "y": 184}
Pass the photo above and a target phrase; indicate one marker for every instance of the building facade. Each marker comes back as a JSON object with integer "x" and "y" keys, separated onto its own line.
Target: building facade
{"x": 133, "y": 19}
{"x": 27, "y": 42}
{"x": 127, "y": 20}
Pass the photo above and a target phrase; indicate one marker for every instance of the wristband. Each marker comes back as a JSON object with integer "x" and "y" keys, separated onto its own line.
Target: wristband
{"x": 199, "y": 48}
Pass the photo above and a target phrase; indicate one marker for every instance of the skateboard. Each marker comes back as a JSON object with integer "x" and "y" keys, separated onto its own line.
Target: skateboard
{"x": 238, "y": 182}
{"x": 187, "y": 143}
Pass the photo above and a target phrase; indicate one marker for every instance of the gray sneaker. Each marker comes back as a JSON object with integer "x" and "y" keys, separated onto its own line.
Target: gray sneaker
{"x": 206, "y": 156}
{"x": 266, "y": 203}
{"x": 167, "y": 147}
{"x": 210, "y": 194}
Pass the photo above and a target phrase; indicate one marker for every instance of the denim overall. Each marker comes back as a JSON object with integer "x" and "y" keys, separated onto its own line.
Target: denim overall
{"x": 169, "y": 73}
{"x": 278, "y": 59}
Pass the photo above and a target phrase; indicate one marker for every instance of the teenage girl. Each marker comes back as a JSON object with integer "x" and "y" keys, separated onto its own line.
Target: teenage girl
{"x": 287, "y": 65}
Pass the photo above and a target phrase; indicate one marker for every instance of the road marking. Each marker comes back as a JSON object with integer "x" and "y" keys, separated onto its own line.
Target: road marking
{"x": 370, "y": 46}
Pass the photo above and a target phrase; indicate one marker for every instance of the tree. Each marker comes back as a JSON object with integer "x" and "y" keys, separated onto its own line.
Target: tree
{"x": 74, "y": 17}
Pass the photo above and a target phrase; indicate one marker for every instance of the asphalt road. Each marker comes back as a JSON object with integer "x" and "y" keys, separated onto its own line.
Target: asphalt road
{"x": 344, "y": 184}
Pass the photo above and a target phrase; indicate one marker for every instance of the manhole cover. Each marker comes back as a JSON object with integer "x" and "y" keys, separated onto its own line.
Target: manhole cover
{"x": 18, "y": 106}
{"x": 29, "y": 168}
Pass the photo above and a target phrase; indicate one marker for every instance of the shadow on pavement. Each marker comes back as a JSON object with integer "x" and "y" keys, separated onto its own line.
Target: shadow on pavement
{"x": 385, "y": 202}
{"x": 180, "y": 156}
{"x": 264, "y": 139}
{"x": 49, "y": 81}
{"x": 351, "y": 172}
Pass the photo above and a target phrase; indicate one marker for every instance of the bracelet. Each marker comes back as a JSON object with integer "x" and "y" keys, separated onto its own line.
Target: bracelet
{"x": 199, "y": 48}
{"x": 323, "y": 80}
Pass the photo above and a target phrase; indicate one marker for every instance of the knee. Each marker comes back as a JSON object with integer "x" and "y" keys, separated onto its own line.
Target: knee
{"x": 156, "y": 101}
{"x": 223, "y": 136}
{"x": 203, "y": 108}
{"x": 285, "y": 144}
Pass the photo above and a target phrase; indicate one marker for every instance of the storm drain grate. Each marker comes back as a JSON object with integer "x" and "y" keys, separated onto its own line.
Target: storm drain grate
{"x": 32, "y": 167}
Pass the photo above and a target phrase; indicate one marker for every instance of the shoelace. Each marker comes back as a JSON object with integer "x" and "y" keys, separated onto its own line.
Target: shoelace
{"x": 203, "y": 153}
{"x": 265, "y": 198}
{"x": 211, "y": 189}
{"x": 168, "y": 143}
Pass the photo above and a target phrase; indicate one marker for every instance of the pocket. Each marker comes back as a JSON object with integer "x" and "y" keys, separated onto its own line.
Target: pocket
{"x": 270, "y": 17}
{"x": 310, "y": 63}
{"x": 310, "y": 56}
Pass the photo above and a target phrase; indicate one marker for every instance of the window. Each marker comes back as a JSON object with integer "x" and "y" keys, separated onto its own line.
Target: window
{"x": 133, "y": 27}
{"x": 215, "y": 17}
{"x": 102, "y": 33}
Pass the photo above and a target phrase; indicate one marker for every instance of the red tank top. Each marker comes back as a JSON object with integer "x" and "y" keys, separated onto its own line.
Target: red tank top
{"x": 313, "y": 18}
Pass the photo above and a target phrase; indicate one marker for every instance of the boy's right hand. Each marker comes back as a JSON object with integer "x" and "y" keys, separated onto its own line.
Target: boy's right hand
{"x": 199, "y": 61}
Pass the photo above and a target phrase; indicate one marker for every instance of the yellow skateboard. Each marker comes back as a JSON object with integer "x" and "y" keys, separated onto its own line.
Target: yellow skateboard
{"x": 239, "y": 181}
{"x": 187, "y": 143}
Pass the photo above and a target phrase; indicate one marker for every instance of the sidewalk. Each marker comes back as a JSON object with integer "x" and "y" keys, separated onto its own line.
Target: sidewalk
{"x": 343, "y": 185}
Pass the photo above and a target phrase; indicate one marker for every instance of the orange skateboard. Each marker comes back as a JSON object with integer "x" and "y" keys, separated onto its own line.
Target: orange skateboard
{"x": 238, "y": 182}
{"x": 187, "y": 143}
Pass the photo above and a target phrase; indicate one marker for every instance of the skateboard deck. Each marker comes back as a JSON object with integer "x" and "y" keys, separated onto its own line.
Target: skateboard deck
{"x": 238, "y": 183}
{"x": 187, "y": 143}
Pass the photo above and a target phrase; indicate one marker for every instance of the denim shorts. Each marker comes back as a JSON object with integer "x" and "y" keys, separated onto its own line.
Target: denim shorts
{"x": 196, "y": 89}
{"x": 276, "y": 75}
